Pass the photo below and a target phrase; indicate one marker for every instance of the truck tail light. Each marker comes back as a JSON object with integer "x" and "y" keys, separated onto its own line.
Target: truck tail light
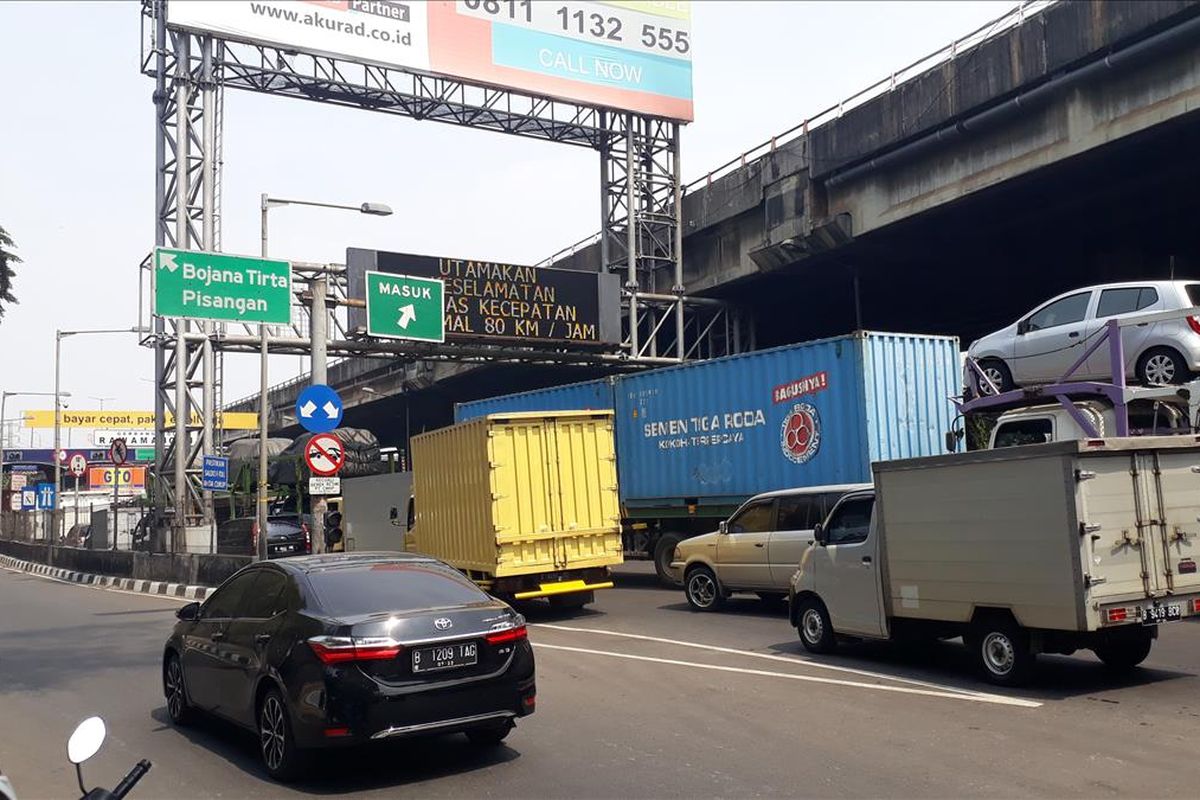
{"x": 506, "y": 636}
{"x": 341, "y": 649}
{"x": 1116, "y": 615}
{"x": 1194, "y": 323}
{"x": 1196, "y": 606}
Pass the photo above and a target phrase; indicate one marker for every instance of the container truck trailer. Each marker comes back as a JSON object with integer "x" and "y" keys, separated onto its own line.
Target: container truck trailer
{"x": 695, "y": 441}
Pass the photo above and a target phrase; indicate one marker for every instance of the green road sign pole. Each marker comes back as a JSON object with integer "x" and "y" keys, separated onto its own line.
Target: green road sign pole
{"x": 405, "y": 307}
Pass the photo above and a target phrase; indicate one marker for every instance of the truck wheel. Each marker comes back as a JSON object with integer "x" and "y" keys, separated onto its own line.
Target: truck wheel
{"x": 664, "y": 551}
{"x": 814, "y": 627}
{"x": 571, "y": 602}
{"x": 1124, "y": 652}
{"x": 703, "y": 591}
{"x": 1001, "y": 648}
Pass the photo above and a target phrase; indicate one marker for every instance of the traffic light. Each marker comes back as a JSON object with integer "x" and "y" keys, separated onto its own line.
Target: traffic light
{"x": 333, "y": 532}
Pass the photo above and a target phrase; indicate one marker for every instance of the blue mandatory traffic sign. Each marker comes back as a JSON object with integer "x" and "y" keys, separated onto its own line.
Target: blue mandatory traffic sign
{"x": 319, "y": 409}
{"x": 45, "y": 496}
{"x": 214, "y": 474}
{"x": 28, "y": 498}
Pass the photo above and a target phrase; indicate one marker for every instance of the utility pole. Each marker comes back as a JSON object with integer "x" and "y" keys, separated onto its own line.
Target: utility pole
{"x": 263, "y": 410}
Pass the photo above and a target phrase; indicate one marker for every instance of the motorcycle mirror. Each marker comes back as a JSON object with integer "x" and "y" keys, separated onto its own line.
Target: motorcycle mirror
{"x": 86, "y": 741}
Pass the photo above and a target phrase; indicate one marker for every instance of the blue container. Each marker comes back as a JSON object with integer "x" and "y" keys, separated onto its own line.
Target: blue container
{"x": 710, "y": 434}
{"x": 587, "y": 396}
{"x": 811, "y": 414}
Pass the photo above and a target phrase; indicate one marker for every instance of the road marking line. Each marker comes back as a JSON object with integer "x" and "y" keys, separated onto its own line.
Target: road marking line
{"x": 805, "y": 662}
{"x": 96, "y": 586}
{"x": 974, "y": 698}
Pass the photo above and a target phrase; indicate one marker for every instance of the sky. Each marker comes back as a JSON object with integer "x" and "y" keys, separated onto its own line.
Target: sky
{"x": 77, "y": 167}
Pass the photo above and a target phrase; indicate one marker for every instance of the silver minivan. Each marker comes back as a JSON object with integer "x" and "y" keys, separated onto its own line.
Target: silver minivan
{"x": 757, "y": 549}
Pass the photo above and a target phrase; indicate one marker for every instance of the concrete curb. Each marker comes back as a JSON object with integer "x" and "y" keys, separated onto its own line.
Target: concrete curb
{"x": 127, "y": 584}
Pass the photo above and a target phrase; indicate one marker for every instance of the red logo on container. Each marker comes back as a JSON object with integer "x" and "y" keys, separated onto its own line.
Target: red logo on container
{"x": 800, "y": 437}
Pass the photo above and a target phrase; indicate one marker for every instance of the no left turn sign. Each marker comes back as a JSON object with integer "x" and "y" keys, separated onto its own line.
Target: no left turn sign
{"x": 324, "y": 454}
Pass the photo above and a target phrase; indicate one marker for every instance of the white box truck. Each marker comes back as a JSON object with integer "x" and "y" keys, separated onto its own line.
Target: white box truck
{"x": 1052, "y": 548}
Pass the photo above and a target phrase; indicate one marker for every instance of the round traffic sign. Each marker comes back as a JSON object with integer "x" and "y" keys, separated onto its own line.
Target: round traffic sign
{"x": 78, "y": 465}
{"x": 118, "y": 451}
{"x": 319, "y": 409}
{"x": 324, "y": 454}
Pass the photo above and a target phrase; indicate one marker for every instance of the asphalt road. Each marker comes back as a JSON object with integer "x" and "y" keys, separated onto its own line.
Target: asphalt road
{"x": 638, "y": 697}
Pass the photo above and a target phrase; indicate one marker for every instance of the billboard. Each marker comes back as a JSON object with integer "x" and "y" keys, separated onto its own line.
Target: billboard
{"x": 132, "y": 479}
{"x": 495, "y": 303}
{"x": 633, "y": 55}
{"x": 44, "y": 418}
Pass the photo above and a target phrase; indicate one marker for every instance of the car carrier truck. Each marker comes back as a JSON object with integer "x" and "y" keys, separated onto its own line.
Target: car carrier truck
{"x": 1045, "y": 548}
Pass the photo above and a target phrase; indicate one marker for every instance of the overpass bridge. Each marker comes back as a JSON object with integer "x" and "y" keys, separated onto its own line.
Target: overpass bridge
{"x": 1052, "y": 149}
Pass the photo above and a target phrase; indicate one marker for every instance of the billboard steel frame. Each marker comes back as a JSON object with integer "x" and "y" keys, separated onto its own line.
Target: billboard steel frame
{"x": 641, "y": 234}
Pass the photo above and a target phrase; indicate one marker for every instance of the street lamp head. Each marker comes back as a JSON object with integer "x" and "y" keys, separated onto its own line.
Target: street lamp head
{"x": 376, "y": 209}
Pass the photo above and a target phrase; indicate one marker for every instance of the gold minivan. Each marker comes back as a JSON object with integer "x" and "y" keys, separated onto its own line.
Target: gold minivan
{"x": 757, "y": 549}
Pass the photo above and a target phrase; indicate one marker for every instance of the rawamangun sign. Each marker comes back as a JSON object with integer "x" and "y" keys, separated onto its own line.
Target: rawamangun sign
{"x": 634, "y": 55}
{"x": 487, "y": 300}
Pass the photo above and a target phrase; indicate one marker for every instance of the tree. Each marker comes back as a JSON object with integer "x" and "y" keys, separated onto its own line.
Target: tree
{"x": 7, "y": 260}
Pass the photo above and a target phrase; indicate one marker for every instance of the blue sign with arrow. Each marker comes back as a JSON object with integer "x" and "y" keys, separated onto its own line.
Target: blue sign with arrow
{"x": 319, "y": 409}
{"x": 45, "y": 496}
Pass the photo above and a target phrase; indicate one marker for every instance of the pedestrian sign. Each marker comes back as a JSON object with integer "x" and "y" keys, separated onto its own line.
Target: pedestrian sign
{"x": 214, "y": 474}
{"x": 405, "y": 307}
{"x": 319, "y": 409}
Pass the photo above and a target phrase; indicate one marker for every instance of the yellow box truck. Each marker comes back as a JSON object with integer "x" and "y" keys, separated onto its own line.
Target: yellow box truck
{"x": 523, "y": 503}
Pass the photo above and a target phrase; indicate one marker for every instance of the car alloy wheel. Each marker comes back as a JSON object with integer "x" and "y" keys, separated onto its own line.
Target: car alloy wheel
{"x": 1159, "y": 369}
{"x": 703, "y": 593}
{"x": 273, "y": 733}
{"x": 177, "y": 705}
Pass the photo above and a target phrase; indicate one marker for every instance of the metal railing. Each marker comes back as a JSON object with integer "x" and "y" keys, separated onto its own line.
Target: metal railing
{"x": 980, "y": 35}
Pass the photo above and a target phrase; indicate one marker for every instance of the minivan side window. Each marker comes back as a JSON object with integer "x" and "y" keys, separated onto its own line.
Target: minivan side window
{"x": 799, "y": 512}
{"x": 754, "y": 518}
{"x": 1061, "y": 312}
{"x": 1125, "y": 300}
{"x": 851, "y": 522}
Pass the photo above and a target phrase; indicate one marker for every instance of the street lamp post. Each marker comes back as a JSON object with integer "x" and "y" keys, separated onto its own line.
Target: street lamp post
{"x": 3, "y": 418}
{"x": 317, "y": 335}
{"x": 58, "y": 337}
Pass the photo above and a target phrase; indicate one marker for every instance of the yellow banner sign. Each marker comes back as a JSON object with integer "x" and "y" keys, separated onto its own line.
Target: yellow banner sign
{"x": 230, "y": 421}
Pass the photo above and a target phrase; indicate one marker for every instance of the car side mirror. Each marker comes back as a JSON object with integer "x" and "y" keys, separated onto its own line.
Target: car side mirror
{"x": 723, "y": 527}
{"x": 394, "y": 514}
{"x": 951, "y": 442}
{"x": 1022, "y": 327}
{"x": 819, "y": 535}
{"x": 189, "y": 612}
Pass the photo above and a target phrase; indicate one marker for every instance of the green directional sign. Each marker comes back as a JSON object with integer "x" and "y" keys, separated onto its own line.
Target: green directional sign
{"x": 405, "y": 307}
{"x": 222, "y": 287}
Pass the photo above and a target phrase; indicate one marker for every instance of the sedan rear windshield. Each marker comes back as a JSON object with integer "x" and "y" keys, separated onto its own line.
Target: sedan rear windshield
{"x": 1193, "y": 290}
{"x": 397, "y": 587}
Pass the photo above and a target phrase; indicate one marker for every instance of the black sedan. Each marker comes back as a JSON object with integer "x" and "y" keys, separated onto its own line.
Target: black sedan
{"x": 337, "y": 649}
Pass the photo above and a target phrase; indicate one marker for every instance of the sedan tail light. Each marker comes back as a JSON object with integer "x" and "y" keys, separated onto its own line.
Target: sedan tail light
{"x": 341, "y": 649}
{"x": 1194, "y": 323}
{"x": 254, "y": 537}
{"x": 509, "y": 635}
{"x": 307, "y": 537}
